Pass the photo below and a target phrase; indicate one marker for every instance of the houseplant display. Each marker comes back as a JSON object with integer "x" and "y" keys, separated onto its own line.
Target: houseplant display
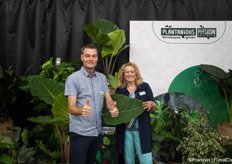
{"x": 110, "y": 40}
{"x": 224, "y": 80}
{"x": 201, "y": 144}
{"x": 168, "y": 123}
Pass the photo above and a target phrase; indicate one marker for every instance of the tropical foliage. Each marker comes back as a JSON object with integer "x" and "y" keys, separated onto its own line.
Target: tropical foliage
{"x": 201, "y": 142}
{"x": 224, "y": 80}
{"x": 129, "y": 108}
{"x": 110, "y": 40}
{"x": 168, "y": 123}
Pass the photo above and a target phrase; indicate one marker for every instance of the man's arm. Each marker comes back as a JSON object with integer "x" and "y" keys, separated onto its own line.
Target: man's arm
{"x": 111, "y": 105}
{"x": 74, "y": 110}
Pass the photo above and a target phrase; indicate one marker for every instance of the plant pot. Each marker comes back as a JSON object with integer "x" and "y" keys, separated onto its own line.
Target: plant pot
{"x": 5, "y": 125}
{"x": 112, "y": 91}
{"x": 224, "y": 128}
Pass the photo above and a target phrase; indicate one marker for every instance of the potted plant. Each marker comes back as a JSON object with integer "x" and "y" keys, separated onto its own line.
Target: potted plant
{"x": 201, "y": 144}
{"x": 110, "y": 40}
{"x": 168, "y": 123}
{"x": 224, "y": 80}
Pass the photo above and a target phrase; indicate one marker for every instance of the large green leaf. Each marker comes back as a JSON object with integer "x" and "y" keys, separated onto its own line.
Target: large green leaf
{"x": 43, "y": 120}
{"x": 114, "y": 80}
{"x": 118, "y": 39}
{"x": 105, "y": 26}
{"x": 7, "y": 142}
{"x": 129, "y": 108}
{"x": 214, "y": 71}
{"x": 98, "y": 37}
{"x": 5, "y": 158}
{"x": 107, "y": 50}
{"x": 46, "y": 89}
{"x": 60, "y": 109}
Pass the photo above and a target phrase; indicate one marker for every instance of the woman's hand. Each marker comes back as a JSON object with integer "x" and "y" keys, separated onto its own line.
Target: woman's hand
{"x": 149, "y": 105}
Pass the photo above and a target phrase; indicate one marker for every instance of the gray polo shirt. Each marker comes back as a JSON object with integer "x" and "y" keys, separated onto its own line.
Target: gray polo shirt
{"x": 82, "y": 85}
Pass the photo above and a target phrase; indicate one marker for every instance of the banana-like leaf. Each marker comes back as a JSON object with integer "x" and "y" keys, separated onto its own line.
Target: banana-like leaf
{"x": 7, "y": 142}
{"x": 129, "y": 108}
{"x": 60, "y": 109}
{"x": 46, "y": 89}
{"x": 105, "y": 26}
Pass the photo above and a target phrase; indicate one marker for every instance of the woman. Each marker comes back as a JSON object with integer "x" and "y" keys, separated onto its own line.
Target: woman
{"x": 137, "y": 133}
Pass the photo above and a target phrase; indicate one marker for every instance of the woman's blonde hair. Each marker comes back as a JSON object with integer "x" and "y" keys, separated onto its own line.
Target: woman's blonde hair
{"x": 122, "y": 80}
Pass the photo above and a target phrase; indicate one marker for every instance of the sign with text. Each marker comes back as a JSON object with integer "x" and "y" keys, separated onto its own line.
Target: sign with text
{"x": 163, "y": 49}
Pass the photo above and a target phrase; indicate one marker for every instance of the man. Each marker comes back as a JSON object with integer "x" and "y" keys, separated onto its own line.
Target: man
{"x": 86, "y": 90}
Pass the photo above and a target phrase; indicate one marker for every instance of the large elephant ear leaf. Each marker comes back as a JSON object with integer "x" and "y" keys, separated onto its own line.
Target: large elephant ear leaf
{"x": 46, "y": 89}
{"x": 98, "y": 37}
{"x": 105, "y": 26}
{"x": 129, "y": 108}
{"x": 60, "y": 109}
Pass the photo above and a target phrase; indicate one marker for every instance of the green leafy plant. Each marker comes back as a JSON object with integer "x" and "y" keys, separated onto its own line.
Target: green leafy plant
{"x": 110, "y": 40}
{"x": 12, "y": 152}
{"x": 113, "y": 80}
{"x": 58, "y": 73}
{"x": 201, "y": 142}
{"x": 9, "y": 90}
{"x": 224, "y": 80}
{"x": 167, "y": 128}
{"x": 51, "y": 92}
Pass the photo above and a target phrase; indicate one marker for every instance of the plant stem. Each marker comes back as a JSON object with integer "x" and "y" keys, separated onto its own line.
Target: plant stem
{"x": 107, "y": 68}
{"x": 114, "y": 63}
{"x": 111, "y": 58}
{"x": 61, "y": 145}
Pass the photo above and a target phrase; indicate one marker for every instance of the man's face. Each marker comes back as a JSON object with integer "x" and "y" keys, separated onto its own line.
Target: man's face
{"x": 89, "y": 58}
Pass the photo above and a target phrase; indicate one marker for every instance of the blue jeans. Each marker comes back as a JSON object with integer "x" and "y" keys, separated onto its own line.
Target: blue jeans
{"x": 83, "y": 149}
{"x": 132, "y": 142}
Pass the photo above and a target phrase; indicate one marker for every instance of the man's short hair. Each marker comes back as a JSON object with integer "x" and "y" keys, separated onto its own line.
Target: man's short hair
{"x": 90, "y": 46}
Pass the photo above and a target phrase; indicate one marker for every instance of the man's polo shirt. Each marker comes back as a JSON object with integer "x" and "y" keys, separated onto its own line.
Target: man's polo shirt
{"x": 82, "y": 85}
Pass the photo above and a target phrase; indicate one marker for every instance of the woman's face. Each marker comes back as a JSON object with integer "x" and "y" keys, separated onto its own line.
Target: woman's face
{"x": 129, "y": 74}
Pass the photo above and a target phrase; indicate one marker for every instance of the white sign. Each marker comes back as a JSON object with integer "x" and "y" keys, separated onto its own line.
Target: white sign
{"x": 163, "y": 49}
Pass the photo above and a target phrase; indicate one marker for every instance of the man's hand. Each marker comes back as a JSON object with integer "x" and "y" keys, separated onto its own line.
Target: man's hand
{"x": 114, "y": 111}
{"x": 86, "y": 109}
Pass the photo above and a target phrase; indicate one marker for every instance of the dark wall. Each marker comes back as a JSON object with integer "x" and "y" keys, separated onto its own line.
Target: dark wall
{"x": 32, "y": 31}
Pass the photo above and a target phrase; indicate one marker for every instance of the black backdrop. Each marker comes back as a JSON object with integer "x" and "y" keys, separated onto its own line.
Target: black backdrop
{"x": 32, "y": 31}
